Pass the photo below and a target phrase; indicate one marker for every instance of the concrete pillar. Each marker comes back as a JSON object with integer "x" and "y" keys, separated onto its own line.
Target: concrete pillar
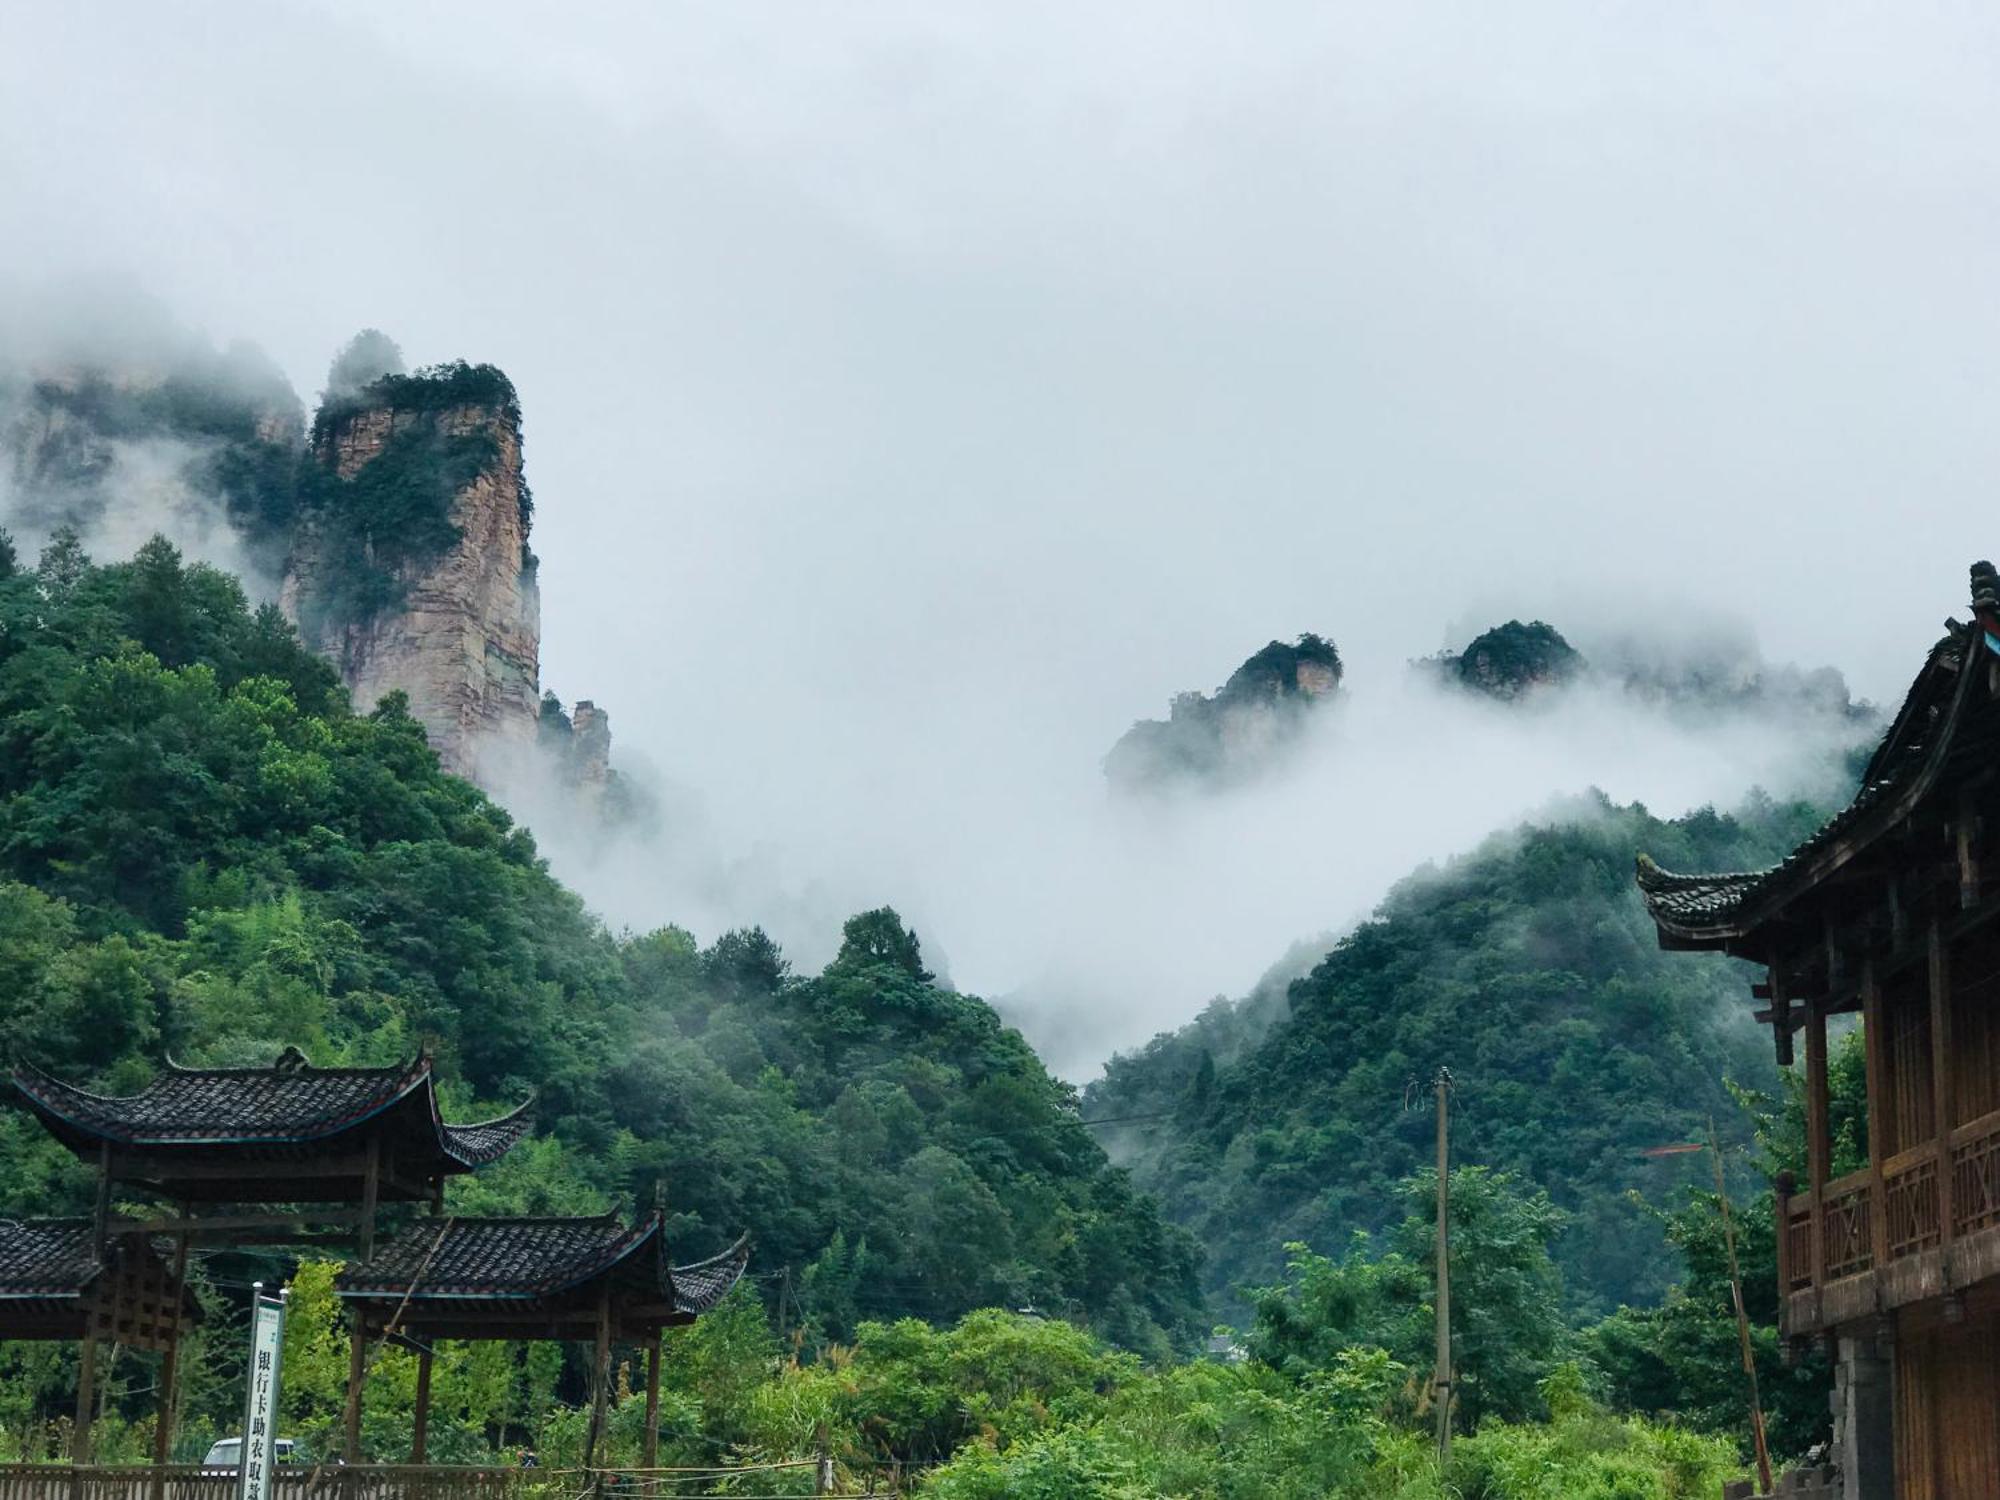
{"x": 1864, "y": 1417}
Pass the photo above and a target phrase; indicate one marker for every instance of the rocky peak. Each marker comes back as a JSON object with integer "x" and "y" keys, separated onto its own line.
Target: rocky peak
{"x": 410, "y": 568}
{"x": 1238, "y": 731}
{"x": 1512, "y": 660}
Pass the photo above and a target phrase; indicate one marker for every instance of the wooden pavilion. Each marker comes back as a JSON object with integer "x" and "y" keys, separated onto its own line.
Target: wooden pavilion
{"x": 286, "y": 1155}
{"x": 1885, "y": 912}
{"x": 525, "y": 1279}
{"x": 295, "y": 1155}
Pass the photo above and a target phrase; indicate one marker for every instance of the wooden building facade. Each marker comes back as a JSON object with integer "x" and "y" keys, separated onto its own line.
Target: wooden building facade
{"x": 1891, "y": 912}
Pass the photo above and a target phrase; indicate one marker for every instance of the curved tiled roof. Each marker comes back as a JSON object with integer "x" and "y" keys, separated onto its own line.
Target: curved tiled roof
{"x": 698, "y": 1287}
{"x": 505, "y": 1258}
{"x": 290, "y": 1104}
{"x": 514, "y": 1260}
{"x": 1933, "y": 729}
{"x": 489, "y": 1140}
{"x": 47, "y": 1258}
{"x": 1694, "y": 900}
{"x": 191, "y": 1106}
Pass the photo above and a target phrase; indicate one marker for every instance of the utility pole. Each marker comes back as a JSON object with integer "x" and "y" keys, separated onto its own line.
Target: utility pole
{"x": 1442, "y": 1083}
{"x": 1742, "y": 1318}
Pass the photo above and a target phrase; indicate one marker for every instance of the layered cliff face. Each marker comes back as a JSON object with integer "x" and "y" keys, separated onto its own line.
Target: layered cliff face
{"x": 393, "y": 532}
{"x": 410, "y": 566}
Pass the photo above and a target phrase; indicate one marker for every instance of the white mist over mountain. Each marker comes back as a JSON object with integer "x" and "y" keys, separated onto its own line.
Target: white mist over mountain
{"x": 1096, "y": 920}
{"x": 917, "y": 395}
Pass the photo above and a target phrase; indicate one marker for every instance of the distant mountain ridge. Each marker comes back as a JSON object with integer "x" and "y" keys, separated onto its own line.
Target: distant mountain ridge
{"x": 1524, "y": 660}
{"x": 1530, "y": 970}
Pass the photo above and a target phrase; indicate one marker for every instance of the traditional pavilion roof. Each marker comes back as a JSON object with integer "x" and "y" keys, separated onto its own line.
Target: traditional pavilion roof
{"x": 468, "y": 1275}
{"x": 1944, "y": 726}
{"x": 290, "y": 1111}
{"x": 46, "y": 1258}
{"x": 54, "y": 1284}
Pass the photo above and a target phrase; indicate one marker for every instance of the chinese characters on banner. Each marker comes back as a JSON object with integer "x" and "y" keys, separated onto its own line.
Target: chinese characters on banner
{"x": 260, "y": 1411}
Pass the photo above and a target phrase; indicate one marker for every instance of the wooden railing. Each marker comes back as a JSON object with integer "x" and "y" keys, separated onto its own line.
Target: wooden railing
{"x": 1797, "y": 1246}
{"x": 1848, "y": 1229}
{"x": 1908, "y": 1204}
{"x": 296, "y": 1482}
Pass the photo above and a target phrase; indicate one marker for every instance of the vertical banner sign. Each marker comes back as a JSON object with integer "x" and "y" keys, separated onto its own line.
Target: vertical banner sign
{"x": 260, "y": 1409}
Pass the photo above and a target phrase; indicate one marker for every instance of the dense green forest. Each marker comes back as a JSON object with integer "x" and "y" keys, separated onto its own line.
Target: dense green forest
{"x": 204, "y": 853}
{"x": 1528, "y": 969}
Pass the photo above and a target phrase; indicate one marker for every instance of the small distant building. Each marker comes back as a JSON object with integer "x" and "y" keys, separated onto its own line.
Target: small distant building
{"x": 1886, "y": 912}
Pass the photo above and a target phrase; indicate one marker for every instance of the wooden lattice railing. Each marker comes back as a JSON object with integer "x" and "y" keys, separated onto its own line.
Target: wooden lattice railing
{"x": 1909, "y": 1206}
{"x": 1910, "y": 1203}
{"x": 1849, "y": 1229}
{"x": 1975, "y": 1175}
{"x": 1798, "y": 1244}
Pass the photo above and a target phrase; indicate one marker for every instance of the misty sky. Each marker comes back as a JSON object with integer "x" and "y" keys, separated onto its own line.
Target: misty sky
{"x": 916, "y": 393}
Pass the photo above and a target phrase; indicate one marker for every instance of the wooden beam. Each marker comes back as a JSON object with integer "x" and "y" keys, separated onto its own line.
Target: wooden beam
{"x": 371, "y": 1186}
{"x": 420, "y": 1432}
{"x": 652, "y": 1454}
{"x": 1875, "y": 1044}
{"x": 101, "y": 1215}
{"x": 86, "y": 1380}
{"x": 357, "y": 1372}
{"x": 231, "y": 1224}
{"x": 163, "y": 1405}
{"x": 1819, "y": 1147}
{"x": 1781, "y": 1009}
{"x": 1965, "y": 829}
{"x": 1943, "y": 1102}
{"x": 134, "y": 1166}
{"x": 600, "y": 1382}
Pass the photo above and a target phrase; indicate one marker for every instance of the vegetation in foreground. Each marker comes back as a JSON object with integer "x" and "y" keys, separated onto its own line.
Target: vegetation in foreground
{"x": 203, "y": 851}
{"x": 1326, "y": 1397}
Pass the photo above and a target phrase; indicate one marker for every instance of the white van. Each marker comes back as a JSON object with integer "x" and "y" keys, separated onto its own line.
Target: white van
{"x": 228, "y": 1453}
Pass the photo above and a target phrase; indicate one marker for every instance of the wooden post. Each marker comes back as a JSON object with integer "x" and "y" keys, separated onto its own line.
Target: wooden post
{"x": 164, "y": 1405}
{"x": 652, "y": 1457}
{"x": 357, "y": 1372}
{"x": 1781, "y": 1207}
{"x": 1443, "y": 1375}
{"x": 1875, "y": 1043}
{"x": 86, "y": 1374}
{"x": 1742, "y": 1318}
{"x": 1819, "y": 1148}
{"x": 371, "y": 1185}
{"x": 420, "y": 1429}
{"x": 1966, "y": 827}
{"x": 1943, "y": 1101}
{"x": 86, "y": 1380}
{"x": 600, "y": 1380}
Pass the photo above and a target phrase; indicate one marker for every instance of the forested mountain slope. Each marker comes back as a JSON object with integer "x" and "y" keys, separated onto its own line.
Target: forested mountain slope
{"x": 205, "y": 853}
{"x": 1527, "y": 968}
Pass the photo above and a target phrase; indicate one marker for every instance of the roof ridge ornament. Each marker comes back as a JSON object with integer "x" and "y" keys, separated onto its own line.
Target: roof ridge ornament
{"x": 1986, "y": 602}
{"x": 291, "y": 1061}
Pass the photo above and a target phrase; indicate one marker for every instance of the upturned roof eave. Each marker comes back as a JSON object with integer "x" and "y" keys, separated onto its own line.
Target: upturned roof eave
{"x": 1876, "y": 809}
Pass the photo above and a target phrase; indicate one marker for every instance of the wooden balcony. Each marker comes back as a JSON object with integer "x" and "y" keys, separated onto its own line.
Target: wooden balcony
{"x": 1885, "y": 1240}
